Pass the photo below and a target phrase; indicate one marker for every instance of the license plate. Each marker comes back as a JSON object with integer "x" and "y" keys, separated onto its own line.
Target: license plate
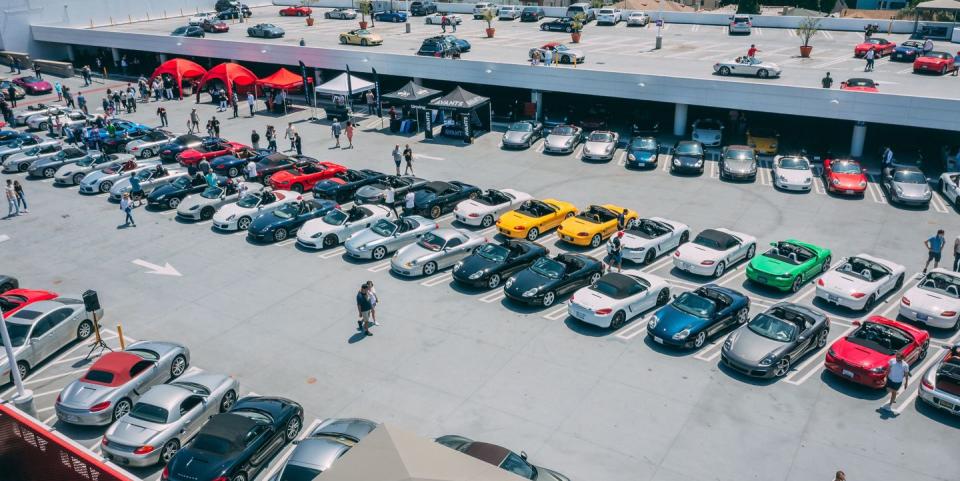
{"x": 847, "y": 373}
{"x": 921, "y": 317}
{"x": 567, "y": 238}
{"x": 71, "y": 418}
{"x": 924, "y": 67}
{"x": 945, "y": 404}
{"x": 762, "y": 278}
{"x": 658, "y": 340}
{"x": 833, "y": 298}
{"x": 849, "y": 192}
{"x": 504, "y": 232}
{"x": 681, "y": 265}
{"x": 579, "y": 315}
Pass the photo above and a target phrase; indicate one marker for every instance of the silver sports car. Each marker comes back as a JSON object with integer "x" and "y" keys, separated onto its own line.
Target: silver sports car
{"x": 101, "y": 181}
{"x": 600, "y": 145}
{"x": 42, "y": 328}
{"x": 149, "y": 145}
{"x": 73, "y": 174}
{"x": 149, "y": 179}
{"x": 387, "y": 236}
{"x": 19, "y": 146}
{"x": 750, "y": 66}
{"x": 775, "y": 340}
{"x": 21, "y": 162}
{"x": 166, "y": 417}
{"x": 207, "y": 203}
{"x": 906, "y": 185}
{"x": 318, "y": 451}
{"x": 563, "y": 139}
{"x": 436, "y": 250}
{"x": 373, "y": 193}
{"x": 115, "y": 381}
{"x": 46, "y": 166}
{"x": 20, "y": 117}
{"x": 522, "y": 134}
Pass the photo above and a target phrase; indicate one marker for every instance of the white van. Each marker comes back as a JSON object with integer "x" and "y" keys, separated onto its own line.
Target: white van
{"x": 509, "y": 12}
{"x": 578, "y": 8}
{"x": 482, "y": 7}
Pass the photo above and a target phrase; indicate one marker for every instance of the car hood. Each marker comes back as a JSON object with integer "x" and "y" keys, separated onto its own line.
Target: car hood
{"x": 421, "y": 197}
{"x": 848, "y": 180}
{"x": 673, "y": 320}
{"x": 99, "y": 176}
{"x": 82, "y": 395}
{"x": 708, "y": 133}
{"x": 163, "y": 190}
{"x": 598, "y": 147}
{"x": 313, "y": 227}
{"x": 133, "y": 432}
{"x": 687, "y": 159}
{"x": 369, "y": 192}
{"x": 327, "y": 185}
{"x": 197, "y": 200}
{"x": 750, "y": 347}
{"x": 739, "y": 165}
{"x": 857, "y": 355}
{"x": 198, "y": 465}
{"x": 412, "y": 252}
{"x": 365, "y": 237}
{"x": 913, "y": 190}
{"x": 528, "y": 279}
{"x": 795, "y": 176}
{"x": 694, "y": 253}
{"x": 643, "y": 154}
{"x": 476, "y": 263}
{"x": 516, "y": 136}
{"x": 555, "y": 140}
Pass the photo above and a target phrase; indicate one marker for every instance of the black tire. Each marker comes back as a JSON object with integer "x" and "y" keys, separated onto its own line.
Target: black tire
{"x": 595, "y": 277}
{"x": 565, "y": 59}
{"x": 685, "y": 237}
{"x": 763, "y": 73}
{"x": 122, "y": 407}
{"x": 923, "y": 351}
{"x": 84, "y": 330}
{"x": 241, "y": 476}
{"x": 343, "y": 40}
{"x": 493, "y": 281}
{"x": 379, "y": 253}
{"x": 330, "y": 240}
{"x": 430, "y": 268}
{"x": 243, "y": 223}
{"x": 363, "y": 42}
{"x": 721, "y": 268}
{"x": 178, "y": 366}
{"x": 724, "y": 71}
{"x": 23, "y": 167}
{"x": 797, "y": 284}
{"x": 169, "y": 450}
{"x": 782, "y": 368}
{"x": 487, "y": 221}
{"x": 24, "y": 369}
{"x": 649, "y": 258}
{"x": 619, "y": 319}
{"x": 532, "y": 234}
{"x": 293, "y": 428}
{"x": 49, "y": 172}
{"x": 146, "y": 153}
{"x": 77, "y": 178}
{"x": 543, "y": 27}
{"x": 233, "y": 172}
{"x": 173, "y": 202}
{"x": 280, "y": 234}
{"x": 473, "y": 195}
{"x": 899, "y": 283}
{"x": 105, "y": 186}
{"x": 549, "y": 298}
{"x": 42, "y": 126}
{"x": 743, "y": 315}
{"x": 663, "y": 297}
{"x": 227, "y": 401}
{"x": 826, "y": 265}
{"x": 207, "y": 213}
{"x": 568, "y": 30}
{"x": 822, "y": 339}
{"x": 435, "y": 212}
{"x": 297, "y": 188}
{"x": 596, "y": 240}
{"x": 751, "y": 251}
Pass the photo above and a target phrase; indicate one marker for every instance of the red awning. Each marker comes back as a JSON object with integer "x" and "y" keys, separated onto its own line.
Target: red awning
{"x": 179, "y": 69}
{"x": 283, "y": 79}
{"x": 229, "y": 74}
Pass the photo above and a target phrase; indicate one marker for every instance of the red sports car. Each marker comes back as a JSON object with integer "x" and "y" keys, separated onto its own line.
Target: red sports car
{"x": 938, "y": 62}
{"x": 215, "y": 26}
{"x": 304, "y": 178}
{"x": 844, "y": 176}
{"x": 208, "y": 152}
{"x": 16, "y": 299}
{"x": 860, "y": 85}
{"x": 880, "y": 47}
{"x": 33, "y": 85}
{"x": 864, "y": 356}
{"x": 296, "y": 11}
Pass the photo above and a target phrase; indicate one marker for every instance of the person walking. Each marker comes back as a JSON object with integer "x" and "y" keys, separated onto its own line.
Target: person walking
{"x": 59, "y": 89}
{"x": 271, "y": 138}
{"x": 898, "y": 376}
{"x": 374, "y": 300}
{"x": 335, "y": 130}
{"x": 17, "y": 65}
{"x": 255, "y": 140}
{"x": 162, "y": 113}
{"x": 934, "y": 248}
{"x": 10, "y": 61}
{"x": 68, "y": 98}
{"x": 956, "y": 63}
{"x": 364, "y": 306}
{"x": 956, "y": 254}
{"x": 21, "y": 199}
{"x": 12, "y": 95}
{"x": 289, "y": 134}
{"x": 223, "y": 100}
{"x": 408, "y": 157}
{"x": 616, "y": 250}
{"x": 235, "y": 100}
{"x": 870, "y": 55}
{"x": 298, "y": 143}
{"x": 409, "y": 203}
{"x": 827, "y": 81}
{"x": 251, "y": 170}
{"x": 13, "y": 208}
{"x": 397, "y": 157}
{"x": 216, "y": 126}
{"x": 127, "y": 207}
{"x": 927, "y": 46}
{"x": 443, "y": 24}
{"x": 251, "y": 102}
{"x": 371, "y": 102}
{"x": 194, "y": 121}
{"x": 349, "y": 131}
{"x": 136, "y": 190}
{"x": 204, "y": 167}
{"x": 36, "y": 71}
{"x": 752, "y": 51}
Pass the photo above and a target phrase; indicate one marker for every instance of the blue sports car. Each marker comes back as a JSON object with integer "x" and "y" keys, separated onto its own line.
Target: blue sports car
{"x": 695, "y": 316}
{"x": 281, "y": 223}
{"x": 395, "y": 17}
{"x": 462, "y": 44}
{"x": 643, "y": 152}
{"x": 233, "y": 165}
{"x": 907, "y": 51}
{"x": 123, "y": 128}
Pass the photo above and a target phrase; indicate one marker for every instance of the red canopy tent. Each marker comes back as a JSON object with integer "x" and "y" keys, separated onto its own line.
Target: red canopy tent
{"x": 283, "y": 79}
{"x": 229, "y": 74}
{"x": 179, "y": 69}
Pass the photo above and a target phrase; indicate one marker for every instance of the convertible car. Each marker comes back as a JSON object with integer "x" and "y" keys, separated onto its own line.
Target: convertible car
{"x": 844, "y": 176}
{"x": 304, "y": 177}
{"x": 788, "y": 264}
{"x": 698, "y": 315}
{"x": 435, "y": 250}
{"x": 775, "y": 340}
{"x": 338, "y": 225}
{"x": 534, "y": 217}
{"x": 934, "y": 301}
{"x": 713, "y": 251}
{"x": 618, "y": 297}
{"x": 864, "y": 356}
{"x": 749, "y": 66}
{"x": 549, "y": 278}
{"x": 594, "y": 225}
{"x": 360, "y": 36}
{"x": 491, "y": 263}
{"x": 386, "y": 236}
{"x": 343, "y": 185}
{"x": 649, "y": 238}
{"x": 858, "y": 282}
{"x": 434, "y": 199}
{"x": 285, "y": 221}
{"x": 488, "y": 206}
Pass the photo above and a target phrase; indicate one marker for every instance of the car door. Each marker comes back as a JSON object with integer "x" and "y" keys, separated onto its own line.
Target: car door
{"x": 641, "y": 299}
{"x": 144, "y": 374}
{"x": 950, "y": 188}
{"x": 551, "y": 219}
{"x": 193, "y": 414}
{"x": 812, "y": 267}
{"x": 456, "y": 250}
{"x": 33, "y": 350}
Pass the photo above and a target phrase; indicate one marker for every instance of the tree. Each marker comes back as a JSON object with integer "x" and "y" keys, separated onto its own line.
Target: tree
{"x": 807, "y": 28}
{"x": 751, "y": 7}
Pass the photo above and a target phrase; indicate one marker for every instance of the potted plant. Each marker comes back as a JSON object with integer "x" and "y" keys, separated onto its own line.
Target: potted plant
{"x": 366, "y": 8}
{"x": 577, "y": 27}
{"x": 309, "y": 21}
{"x": 488, "y": 17}
{"x": 807, "y": 28}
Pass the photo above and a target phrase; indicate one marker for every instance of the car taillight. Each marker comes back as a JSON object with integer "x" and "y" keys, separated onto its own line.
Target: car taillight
{"x": 706, "y": 263}
{"x": 857, "y": 295}
{"x": 166, "y": 473}
{"x": 605, "y": 310}
{"x": 819, "y": 282}
{"x": 100, "y": 407}
{"x": 926, "y": 383}
{"x": 676, "y": 254}
{"x": 142, "y": 449}
{"x": 473, "y": 215}
{"x": 134, "y": 148}
{"x": 221, "y": 478}
{"x": 948, "y": 313}
{"x": 58, "y": 397}
{"x": 104, "y": 441}
{"x": 582, "y": 234}
{"x": 905, "y": 301}
{"x": 518, "y": 227}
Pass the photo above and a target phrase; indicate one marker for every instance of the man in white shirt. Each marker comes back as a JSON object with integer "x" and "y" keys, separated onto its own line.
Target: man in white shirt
{"x": 898, "y": 375}
{"x": 408, "y": 201}
{"x": 389, "y": 198}
{"x": 251, "y": 170}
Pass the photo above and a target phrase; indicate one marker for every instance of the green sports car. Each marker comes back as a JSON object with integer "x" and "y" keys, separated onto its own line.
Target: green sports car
{"x": 788, "y": 264}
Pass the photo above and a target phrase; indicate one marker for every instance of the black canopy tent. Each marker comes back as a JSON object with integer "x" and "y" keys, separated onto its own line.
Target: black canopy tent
{"x": 410, "y": 96}
{"x": 472, "y": 110}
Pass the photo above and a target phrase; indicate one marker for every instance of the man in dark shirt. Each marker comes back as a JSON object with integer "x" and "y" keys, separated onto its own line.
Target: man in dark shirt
{"x": 827, "y": 81}
{"x": 364, "y": 306}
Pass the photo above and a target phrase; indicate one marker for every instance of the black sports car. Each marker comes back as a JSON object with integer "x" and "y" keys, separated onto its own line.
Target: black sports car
{"x": 265, "y": 30}
{"x": 169, "y": 196}
{"x": 492, "y": 262}
{"x": 279, "y": 224}
{"x": 342, "y": 187}
{"x": 116, "y": 143}
{"x": 238, "y": 444}
{"x": 687, "y": 157}
{"x": 169, "y": 150}
{"x": 276, "y": 162}
{"x": 188, "y": 31}
{"x": 373, "y": 193}
{"x": 7, "y": 283}
{"x": 433, "y": 199}
{"x": 558, "y": 25}
{"x": 233, "y": 165}
{"x": 549, "y": 278}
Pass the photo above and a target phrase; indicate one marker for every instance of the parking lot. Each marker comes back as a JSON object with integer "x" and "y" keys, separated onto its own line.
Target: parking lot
{"x": 586, "y": 402}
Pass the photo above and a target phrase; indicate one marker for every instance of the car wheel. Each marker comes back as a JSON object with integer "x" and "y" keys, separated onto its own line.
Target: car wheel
{"x": 568, "y": 30}
{"x": 751, "y": 251}
{"x": 330, "y": 240}
{"x": 532, "y": 234}
{"x": 743, "y": 315}
{"x": 23, "y": 167}
{"x": 169, "y": 449}
{"x": 146, "y": 153}
{"x": 596, "y": 240}
{"x": 493, "y": 281}
{"x": 899, "y": 283}
{"x": 105, "y": 186}
{"x": 548, "y": 299}
{"x": 233, "y": 172}
{"x": 719, "y": 270}
{"x": 121, "y": 409}
{"x": 293, "y": 428}
{"x": 648, "y": 259}
{"x": 173, "y": 202}
{"x": 343, "y": 40}
{"x": 280, "y": 234}
{"x": 363, "y": 42}
{"x": 826, "y": 265}
{"x": 239, "y": 477}
{"x": 207, "y": 213}
{"x": 42, "y": 126}
{"x": 699, "y": 340}
{"x": 326, "y": 15}
{"x": 84, "y": 330}
{"x": 379, "y": 253}
{"x": 796, "y": 284}
{"x": 178, "y": 366}
{"x": 435, "y": 212}
{"x": 923, "y": 351}
{"x": 24, "y": 369}
{"x": 763, "y": 73}
{"x": 724, "y": 71}
{"x": 783, "y": 367}
{"x": 49, "y": 172}
{"x": 543, "y": 27}
{"x": 594, "y": 278}
{"x": 684, "y": 237}
{"x": 243, "y": 223}
{"x": 297, "y": 188}
{"x": 227, "y": 401}
{"x": 619, "y": 319}
{"x": 822, "y": 339}
{"x": 487, "y": 221}
{"x": 429, "y": 268}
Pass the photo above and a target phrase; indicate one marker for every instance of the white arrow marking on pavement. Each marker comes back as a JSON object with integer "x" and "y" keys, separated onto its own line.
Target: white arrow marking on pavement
{"x": 421, "y": 156}
{"x": 165, "y": 270}
{"x": 4, "y": 238}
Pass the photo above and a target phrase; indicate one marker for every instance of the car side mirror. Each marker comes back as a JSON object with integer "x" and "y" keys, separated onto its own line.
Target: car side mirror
{"x": 802, "y": 337}
{"x": 523, "y": 454}
{"x": 774, "y": 244}
{"x": 675, "y": 296}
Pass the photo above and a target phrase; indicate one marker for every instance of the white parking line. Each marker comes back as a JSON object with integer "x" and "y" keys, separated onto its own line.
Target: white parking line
{"x": 339, "y": 251}
{"x": 933, "y": 355}
{"x": 557, "y": 313}
{"x": 578, "y": 152}
{"x": 712, "y": 351}
{"x": 818, "y": 186}
{"x": 379, "y": 267}
{"x": 622, "y": 158}
{"x": 169, "y": 213}
{"x": 906, "y": 70}
{"x": 827, "y": 34}
{"x": 938, "y": 203}
{"x": 668, "y": 158}
{"x": 758, "y": 30}
{"x": 834, "y": 61}
{"x": 633, "y": 330}
{"x": 46, "y": 409}
{"x": 440, "y": 279}
{"x": 538, "y": 146}
{"x": 34, "y": 380}
{"x": 285, "y": 243}
{"x": 493, "y": 296}
{"x": 798, "y": 376}
{"x": 739, "y": 272}
{"x": 444, "y": 218}
{"x": 714, "y": 173}
{"x": 51, "y": 418}
{"x": 203, "y": 222}
{"x": 876, "y": 194}
{"x": 488, "y": 231}
{"x": 658, "y": 264}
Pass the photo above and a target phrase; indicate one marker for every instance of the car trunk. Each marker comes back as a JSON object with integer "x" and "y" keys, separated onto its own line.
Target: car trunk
{"x": 948, "y": 377}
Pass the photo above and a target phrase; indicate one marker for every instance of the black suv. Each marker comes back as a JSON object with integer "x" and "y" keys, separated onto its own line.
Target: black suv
{"x": 531, "y": 14}
{"x": 419, "y": 9}
{"x": 436, "y": 47}
{"x": 227, "y": 9}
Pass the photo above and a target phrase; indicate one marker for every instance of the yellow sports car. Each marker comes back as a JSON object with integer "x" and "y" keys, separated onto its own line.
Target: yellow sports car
{"x": 763, "y": 140}
{"x": 361, "y": 37}
{"x": 594, "y": 225}
{"x": 534, "y": 217}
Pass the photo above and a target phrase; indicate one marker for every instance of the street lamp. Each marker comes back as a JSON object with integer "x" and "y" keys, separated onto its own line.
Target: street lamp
{"x": 24, "y": 398}
{"x": 659, "y": 24}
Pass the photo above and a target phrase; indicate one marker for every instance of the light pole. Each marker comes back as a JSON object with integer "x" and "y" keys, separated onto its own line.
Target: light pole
{"x": 659, "y": 24}
{"x": 24, "y": 398}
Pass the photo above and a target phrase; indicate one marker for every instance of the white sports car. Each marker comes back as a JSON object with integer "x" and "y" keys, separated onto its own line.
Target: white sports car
{"x": 713, "y": 251}
{"x": 73, "y": 174}
{"x": 338, "y": 225}
{"x": 238, "y": 215}
{"x": 435, "y": 250}
{"x": 858, "y": 282}
{"x": 708, "y": 132}
{"x": 200, "y": 18}
{"x": 489, "y": 206}
{"x": 435, "y": 18}
{"x": 101, "y": 181}
{"x": 600, "y": 145}
{"x": 753, "y": 67}
{"x": 618, "y": 297}
{"x": 386, "y": 236}
{"x": 65, "y": 117}
{"x": 935, "y": 301}
{"x": 792, "y": 172}
{"x": 149, "y": 179}
{"x": 949, "y": 187}
{"x": 650, "y": 238}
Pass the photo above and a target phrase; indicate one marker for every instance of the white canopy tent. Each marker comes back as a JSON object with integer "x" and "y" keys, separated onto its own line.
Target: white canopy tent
{"x": 338, "y": 86}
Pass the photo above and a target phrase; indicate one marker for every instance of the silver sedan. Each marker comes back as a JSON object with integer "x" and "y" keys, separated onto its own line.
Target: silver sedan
{"x": 387, "y": 236}
{"x": 41, "y": 329}
{"x": 166, "y": 417}
{"x": 115, "y": 381}
{"x": 436, "y": 250}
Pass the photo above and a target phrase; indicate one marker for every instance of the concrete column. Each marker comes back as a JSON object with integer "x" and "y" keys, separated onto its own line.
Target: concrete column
{"x": 162, "y": 57}
{"x": 418, "y": 80}
{"x": 680, "y": 120}
{"x": 116, "y": 55}
{"x": 70, "y": 54}
{"x": 859, "y": 136}
{"x": 536, "y": 97}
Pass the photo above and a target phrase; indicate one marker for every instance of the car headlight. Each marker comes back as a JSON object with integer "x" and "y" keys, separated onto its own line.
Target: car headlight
{"x": 362, "y": 247}
{"x": 783, "y": 179}
{"x": 160, "y": 197}
{"x": 510, "y": 282}
{"x": 457, "y": 266}
{"x": 631, "y": 157}
{"x": 477, "y": 275}
{"x": 317, "y": 235}
{"x": 232, "y": 216}
{"x": 676, "y": 162}
{"x": 773, "y": 146}
{"x": 899, "y": 190}
{"x": 653, "y": 322}
{"x": 831, "y": 352}
{"x": 878, "y": 369}
{"x": 767, "y": 361}
{"x": 569, "y": 142}
{"x": 195, "y": 207}
{"x": 531, "y": 292}
{"x": 727, "y": 344}
{"x": 861, "y": 184}
{"x": 837, "y": 182}
{"x": 681, "y": 335}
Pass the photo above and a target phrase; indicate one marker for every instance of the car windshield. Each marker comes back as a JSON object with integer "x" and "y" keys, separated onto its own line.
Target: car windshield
{"x": 516, "y": 465}
{"x": 909, "y": 177}
{"x": 874, "y": 41}
{"x": 601, "y": 137}
{"x": 773, "y": 328}
{"x": 287, "y": 211}
{"x": 939, "y": 55}
{"x": 431, "y": 242}
{"x": 211, "y": 444}
{"x": 794, "y": 163}
{"x": 384, "y": 228}
{"x": 493, "y": 252}
{"x": 249, "y": 201}
{"x": 645, "y": 143}
{"x": 845, "y": 167}
{"x": 296, "y": 472}
{"x": 143, "y": 175}
{"x": 215, "y": 192}
{"x": 149, "y": 413}
{"x": 33, "y": 151}
{"x": 739, "y": 154}
{"x": 335, "y": 217}
{"x": 181, "y": 183}
{"x": 18, "y": 333}
{"x": 548, "y": 268}
{"x": 180, "y": 31}
{"x": 708, "y": 125}
{"x": 562, "y": 130}
{"x": 689, "y": 149}
{"x": 695, "y": 305}
{"x": 521, "y": 127}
